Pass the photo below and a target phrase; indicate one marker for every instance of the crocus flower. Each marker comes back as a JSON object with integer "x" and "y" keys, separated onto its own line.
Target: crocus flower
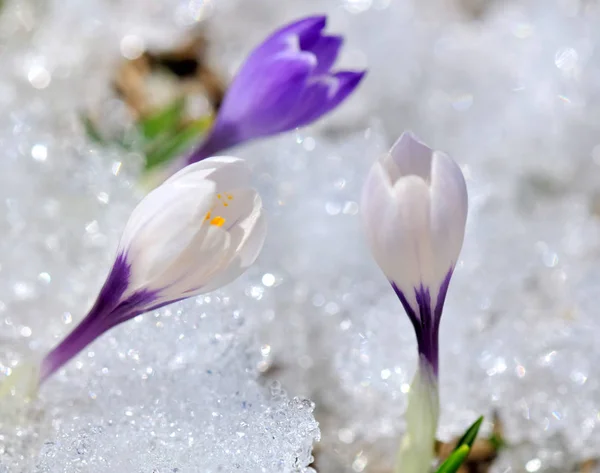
{"x": 285, "y": 83}
{"x": 414, "y": 208}
{"x": 196, "y": 232}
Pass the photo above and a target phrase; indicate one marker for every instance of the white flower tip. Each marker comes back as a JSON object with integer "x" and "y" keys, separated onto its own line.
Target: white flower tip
{"x": 411, "y": 156}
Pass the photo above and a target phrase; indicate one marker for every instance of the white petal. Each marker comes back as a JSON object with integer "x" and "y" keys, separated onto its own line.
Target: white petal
{"x": 397, "y": 226}
{"x": 254, "y": 229}
{"x": 201, "y": 228}
{"x": 208, "y": 256}
{"x": 163, "y": 198}
{"x": 408, "y": 156}
{"x": 449, "y": 204}
{"x": 161, "y": 227}
{"x": 226, "y": 172}
{"x": 234, "y": 206}
{"x": 252, "y": 240}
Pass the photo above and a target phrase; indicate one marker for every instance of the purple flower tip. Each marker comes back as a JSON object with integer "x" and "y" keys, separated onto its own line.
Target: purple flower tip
{"x": 286, "y": 82}
{"x": 426, "y": 319}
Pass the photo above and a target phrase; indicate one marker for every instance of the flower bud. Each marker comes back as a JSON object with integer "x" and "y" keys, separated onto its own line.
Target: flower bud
{"x": 414, "y": 209}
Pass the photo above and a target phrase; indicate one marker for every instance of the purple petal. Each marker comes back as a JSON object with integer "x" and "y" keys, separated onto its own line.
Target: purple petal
{"x": 258, "y": 104}
{"x": 308, "y": 30}
{"x": 108, "y": 311}
{"x": 324, "y": 94}
{"x": 95, "y": 322}
{"x": 299, "y": 35}
{"x": 326, "y": 50}
{"x": 308, "y": 26}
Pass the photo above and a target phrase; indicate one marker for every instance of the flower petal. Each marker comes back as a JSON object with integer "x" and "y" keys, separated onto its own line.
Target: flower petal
{"x": 160, "y": 219}
{"x": 324, "y": 93}
{"x": 227, "y": 172}
{"x": 162, "y": 239}
{"x": 299, "y": 35}
{"x": 396, "y": 221}
{"x": 449, "y": 204}
{"x": 255, "y": 231}
{"x": 216, "y": 250}
{"x": 308, "y": 30}
{"x": 207, "y": 255}
{"x": 409, "y": 156}
{"x": 326, "y": 49}
{"x": 259, "y": 102}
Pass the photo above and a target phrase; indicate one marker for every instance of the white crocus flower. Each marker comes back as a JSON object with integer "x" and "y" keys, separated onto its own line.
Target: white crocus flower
{"x": 414, "y": 208}
{"x": 198, "y": 231}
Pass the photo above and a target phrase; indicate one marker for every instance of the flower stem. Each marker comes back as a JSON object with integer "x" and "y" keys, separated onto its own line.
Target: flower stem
{"x": 417, "y": 447}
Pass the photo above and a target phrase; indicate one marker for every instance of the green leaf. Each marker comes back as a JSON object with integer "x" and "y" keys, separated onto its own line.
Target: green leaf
{"x": 91, "y": 130}
{"x": 163, "y": 150}
{"x": 455, "y": 460}
{"x": 163, "y": 121}
{"x": 469, "y": 436}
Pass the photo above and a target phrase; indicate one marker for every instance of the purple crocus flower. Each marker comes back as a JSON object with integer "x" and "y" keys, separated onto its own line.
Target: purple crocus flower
{"x": 414, "y": 207}
{"x": 196, "y": 232}
{"x": 285, "y": 83}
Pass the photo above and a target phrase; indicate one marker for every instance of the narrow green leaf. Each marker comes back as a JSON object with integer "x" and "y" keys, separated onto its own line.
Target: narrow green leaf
{"x": 163, "y": 121}
{"x": 91, "y": 130}
{"x": 163, "y": 150}
{"x": 469, "y": 436}
{"x": 455, "y": 460}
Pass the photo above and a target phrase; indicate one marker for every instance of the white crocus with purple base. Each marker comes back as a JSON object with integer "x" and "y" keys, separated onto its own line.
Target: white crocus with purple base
{"x": 414, "y": 208}
{"x": 198, "y": 231}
